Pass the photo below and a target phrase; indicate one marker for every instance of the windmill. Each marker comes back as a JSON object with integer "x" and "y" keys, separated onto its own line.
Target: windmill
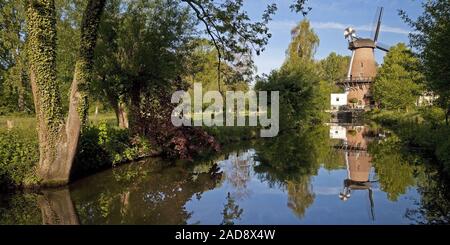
{"x": 362, "y": 64}
{"x": 362, "y": 69}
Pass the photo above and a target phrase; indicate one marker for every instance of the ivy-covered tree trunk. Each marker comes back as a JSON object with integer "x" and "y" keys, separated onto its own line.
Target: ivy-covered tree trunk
{"x": 58, "y": 138}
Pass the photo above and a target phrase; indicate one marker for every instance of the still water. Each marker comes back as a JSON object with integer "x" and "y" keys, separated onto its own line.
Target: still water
{"x": 339, "y": 174}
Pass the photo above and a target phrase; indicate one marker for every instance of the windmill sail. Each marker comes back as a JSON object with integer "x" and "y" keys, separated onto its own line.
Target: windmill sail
{"x": 377, "y": 30}
{"x": 382, "y": 46}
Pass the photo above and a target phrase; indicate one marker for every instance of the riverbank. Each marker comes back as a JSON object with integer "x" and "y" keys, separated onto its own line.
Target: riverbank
{"x": 102, "y": 145}
{"x": 422, "y": 129}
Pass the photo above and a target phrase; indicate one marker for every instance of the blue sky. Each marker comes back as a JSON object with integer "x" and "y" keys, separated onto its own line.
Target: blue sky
{"x": 329, "y": 18}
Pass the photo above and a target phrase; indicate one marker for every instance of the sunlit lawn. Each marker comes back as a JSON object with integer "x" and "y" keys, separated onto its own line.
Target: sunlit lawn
{"x": 27, "y": 123}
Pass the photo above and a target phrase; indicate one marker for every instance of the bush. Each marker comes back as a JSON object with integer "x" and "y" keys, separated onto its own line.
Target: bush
{"x": 353, "y": 100}
{"x": 433, "y": 114}
{"x": 102, "y": 146}
{"x": 19, "y": 154}
{"x": 91, "y": 155}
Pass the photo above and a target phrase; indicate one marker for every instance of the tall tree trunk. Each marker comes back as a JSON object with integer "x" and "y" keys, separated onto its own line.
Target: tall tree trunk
{"x": 446, "y": 116}
{"x": 21, "y": 99}
{"x": 122, "y": 115}
{"x": 119, "y": 109}
{"x": 135, "y": 111}
{"x": 58, "y": 139}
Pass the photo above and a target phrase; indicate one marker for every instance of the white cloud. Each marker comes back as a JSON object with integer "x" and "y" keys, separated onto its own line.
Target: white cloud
{"x": 279, "y": 25}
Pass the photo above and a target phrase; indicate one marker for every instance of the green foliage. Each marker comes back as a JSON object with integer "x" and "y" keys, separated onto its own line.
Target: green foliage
{"x": 202, "y": 67}
{"x": 20, "y": 209}
{"x": 433, "y": 137}
{"x": 303, "y": 45}
{"x": 353, "y": 100}
{"x": 68, "y": 21}
{"x": 432, "y": 114}
{"x": 18, "y": 156}
{"x": 15, "y": 89}
{"x": 334, "y": 67}
{"x": 290, "y": 160}
{"x": 102, "y": 146}
{"x": 397, "y": 85}
{"x": 293, "y": 155}
{"x": 143, "y": 46}
{"x": 303, "y": 97}
{"x": 430, "y": 38}
{"x": 91, "y": 156}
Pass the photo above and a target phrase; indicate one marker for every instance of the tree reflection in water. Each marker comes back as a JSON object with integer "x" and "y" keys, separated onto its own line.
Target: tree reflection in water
{"x": 238, "y": 173}
{"x": 57, "y": 207}
{"x": 48, "y": 207}
{"x": 290, "y": 160}
{"x": 157, "y": 192}
{"x": 142, "y": 195}
{"x": 231, "y": 211}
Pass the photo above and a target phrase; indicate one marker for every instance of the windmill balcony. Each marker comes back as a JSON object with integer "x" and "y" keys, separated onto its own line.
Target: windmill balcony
{"x": 354, "y": 81}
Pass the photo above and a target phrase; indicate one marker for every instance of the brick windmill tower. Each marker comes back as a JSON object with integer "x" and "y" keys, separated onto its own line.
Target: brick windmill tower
{"x": 362, "y": 69}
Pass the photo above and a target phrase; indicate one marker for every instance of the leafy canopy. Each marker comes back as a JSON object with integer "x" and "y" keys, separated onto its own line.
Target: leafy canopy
{"x": 397, "y": 85}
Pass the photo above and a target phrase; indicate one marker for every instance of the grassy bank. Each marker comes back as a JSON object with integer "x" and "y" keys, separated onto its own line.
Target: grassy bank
{"x": 422, "y": 129}
{"x": 102, "y": 145}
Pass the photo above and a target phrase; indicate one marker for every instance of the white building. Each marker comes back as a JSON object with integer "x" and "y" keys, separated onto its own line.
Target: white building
{"x": 426, "y": 99}
{"x": 338, "y": 132}
{"x": 338, "y": 100}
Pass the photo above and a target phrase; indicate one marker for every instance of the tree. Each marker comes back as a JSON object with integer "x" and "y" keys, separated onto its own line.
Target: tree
{"x": 58, "y": 138}
{"x": 14, "y": 80}
{"x": 334, "y": 67}
{"x": 297, "y": 80}
{"x": 202, "y": 68}
{"x": 397, "y": 85}
{"x": 394, "y": 170}
{"x": 139, "y": 50}
{"x": 430, "y": 38}
{"x": 231, "y": 211}
{"x": 303, "y": 46}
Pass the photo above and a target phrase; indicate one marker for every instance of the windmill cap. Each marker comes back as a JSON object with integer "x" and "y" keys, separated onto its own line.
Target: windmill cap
{"x": 362, "y": 43}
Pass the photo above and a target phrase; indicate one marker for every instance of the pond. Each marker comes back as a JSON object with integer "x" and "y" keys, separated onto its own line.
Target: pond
{"x": 335, "y": 174}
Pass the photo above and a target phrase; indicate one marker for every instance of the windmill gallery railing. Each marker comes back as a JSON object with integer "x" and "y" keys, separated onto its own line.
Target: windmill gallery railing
{"x": 355, "y": 81}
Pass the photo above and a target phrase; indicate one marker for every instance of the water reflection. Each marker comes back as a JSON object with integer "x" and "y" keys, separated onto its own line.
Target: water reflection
{"x": 354, "y": 141}
{"x": 57, "y": 208}
{"x": 326, "y": 175}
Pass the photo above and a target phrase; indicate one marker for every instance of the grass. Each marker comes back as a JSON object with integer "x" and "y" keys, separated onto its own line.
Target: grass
{"x": 23, "y": 124}
{"x": 27, "y": 123}
{"x": 108, "y": 117}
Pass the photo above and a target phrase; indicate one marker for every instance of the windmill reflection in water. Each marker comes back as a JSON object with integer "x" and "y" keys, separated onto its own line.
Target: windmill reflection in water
{"x": 358, "y": 162}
